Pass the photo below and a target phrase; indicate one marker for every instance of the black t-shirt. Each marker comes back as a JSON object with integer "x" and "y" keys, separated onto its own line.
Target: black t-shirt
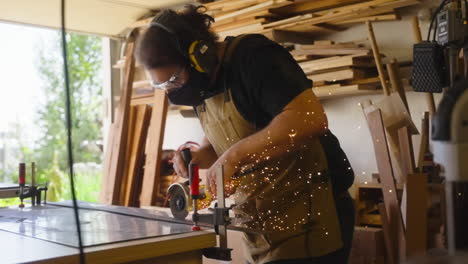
{"x": 263, "y": 78}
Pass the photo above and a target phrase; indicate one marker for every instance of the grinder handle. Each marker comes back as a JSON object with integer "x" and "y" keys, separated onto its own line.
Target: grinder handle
{"x": 194, "y": 181}
{"x": 186, "y": 156}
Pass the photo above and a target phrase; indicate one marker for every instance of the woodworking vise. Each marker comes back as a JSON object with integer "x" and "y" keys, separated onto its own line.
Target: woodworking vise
{"x": 23, "y": 191}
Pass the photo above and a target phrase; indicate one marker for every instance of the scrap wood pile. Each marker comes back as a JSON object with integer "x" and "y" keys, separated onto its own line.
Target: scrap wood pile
{"x": 284, "y": 20}
{"x": 336, "y": 68}
{"x": 348, "y": 67}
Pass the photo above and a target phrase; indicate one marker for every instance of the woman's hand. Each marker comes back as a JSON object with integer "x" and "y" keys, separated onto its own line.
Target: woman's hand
{"x": 204, "y": 157}
{"x": 229, "y": 169}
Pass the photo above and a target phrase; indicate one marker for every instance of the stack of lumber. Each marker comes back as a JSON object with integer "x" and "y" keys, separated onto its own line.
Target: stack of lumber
{"x": 132, "y": 179}
{"x": 338, "y": 68}
{"x": 286, "y": 20}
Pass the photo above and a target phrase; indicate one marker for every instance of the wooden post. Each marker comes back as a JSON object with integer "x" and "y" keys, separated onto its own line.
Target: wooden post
{"x": 151, "y": 178}
{"x": 418, "y": 39}
{"x": 416, "y": 214}
{"x": 388, "y": 236}
{"x": 136, "y": 157}
{"x": 384, "y": 165}
{"x": 395, "y": 80}
{"x": 117, "y": 144}
{"x": 378, "y": 60}
{"x": 424, "y": 140}
{"x": 406, "y": 150}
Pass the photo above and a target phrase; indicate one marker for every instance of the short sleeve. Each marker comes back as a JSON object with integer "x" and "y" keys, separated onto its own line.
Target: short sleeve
{"x": 272, "y": 78}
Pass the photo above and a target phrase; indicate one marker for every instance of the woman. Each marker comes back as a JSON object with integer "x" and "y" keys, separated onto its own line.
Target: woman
{"x": 265, "y": 125}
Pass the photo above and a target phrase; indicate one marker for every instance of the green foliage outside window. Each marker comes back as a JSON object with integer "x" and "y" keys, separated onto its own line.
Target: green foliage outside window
{"x": 50, "y": 152}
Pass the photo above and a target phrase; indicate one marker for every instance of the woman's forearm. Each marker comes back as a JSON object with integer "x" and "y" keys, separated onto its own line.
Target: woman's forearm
{"x": 302, "y": 120}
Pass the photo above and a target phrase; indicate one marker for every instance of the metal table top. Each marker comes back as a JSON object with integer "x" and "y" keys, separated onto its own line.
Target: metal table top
{"x": 56, "y": 223}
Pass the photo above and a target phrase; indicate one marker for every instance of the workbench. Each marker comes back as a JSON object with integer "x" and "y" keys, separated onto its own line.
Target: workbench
{"x": 111, "y": 234}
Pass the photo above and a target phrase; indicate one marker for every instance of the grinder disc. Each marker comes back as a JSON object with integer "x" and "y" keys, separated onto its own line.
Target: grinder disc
{"x": 178, "y": 203}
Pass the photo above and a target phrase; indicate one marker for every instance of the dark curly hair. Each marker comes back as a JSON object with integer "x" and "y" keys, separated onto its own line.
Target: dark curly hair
{"x": 157, "y": 47}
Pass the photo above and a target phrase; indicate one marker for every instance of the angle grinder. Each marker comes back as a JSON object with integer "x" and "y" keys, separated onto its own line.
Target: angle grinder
{"x": 181, "y": 201}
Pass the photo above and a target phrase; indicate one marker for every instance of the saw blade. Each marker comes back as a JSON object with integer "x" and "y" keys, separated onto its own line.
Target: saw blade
{"x": 178, "y": 203}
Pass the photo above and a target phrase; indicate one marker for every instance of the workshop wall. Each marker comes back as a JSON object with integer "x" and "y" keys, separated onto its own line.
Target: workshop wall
{"x": 180, "y": 130}
{"x": 346, "y": 120}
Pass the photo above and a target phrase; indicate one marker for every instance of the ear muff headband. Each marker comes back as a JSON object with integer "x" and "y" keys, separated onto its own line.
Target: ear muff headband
{"x": 172, "y": 33}
{"x": 154, "y": 23}
{"x": 191, "y": 52}
{"x": 193, "y": 57}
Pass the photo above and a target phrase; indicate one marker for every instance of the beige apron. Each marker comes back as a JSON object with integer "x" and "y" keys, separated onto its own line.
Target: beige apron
{"x": 289, "y": 199}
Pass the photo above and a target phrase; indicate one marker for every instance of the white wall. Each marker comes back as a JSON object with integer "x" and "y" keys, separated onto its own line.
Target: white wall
{"x": 395, "y": 40}
{"x": 180, "y": 130}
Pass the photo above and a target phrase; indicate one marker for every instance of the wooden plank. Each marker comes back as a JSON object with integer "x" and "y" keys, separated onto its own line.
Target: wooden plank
{"x": 323, "y": 85}
{"x": 139, "y": 99}
{"x": 368, "y": 246}
{"x": 286, "y": 36}
{"x": 353, "y": 11}
{"x": 115, "y": 154}
{"x": 378, "y": 60}
{"x": 311, "y": 6}
{"x": 254, "y": 8}
{"x": 384, "y": 165}
{"x": 324, "y": 42}
{"x": 387, "y": 17}
{"x": 335, "y": 62}
{"x": 236, "y": 5}
{"x": 237, "y": 24}
{"x": 343, "y": 91}
{"x": 304, "y": 27}
{"x": 253, "y": 28}
{"x": 142, "y": 84}
{"x": 424, "y": 145}
{"x": 128, "y": 154}
{"x": 373, "y": 4}
{"x": 288, "y": 20}
{"x": 300, "y": 58}
{"x": 330, "y": 51}
{"x": 341, "y": 87}
{"x": 163, "y": 249}
{"x": 373, "y": 80}
{"x": 406, "y": 151}
{"x": 153, "y": 151}
{"x": 136, "y": 159}
{"x": 388, "y": 234}
{"x": 338, "y": 75}
{"x": 256, "y": 14}
{"x": 322, "y": 45}
{"x": 219, "y": 5}
{"x": 397, "y": 86}
{"x": 416, "y": 214}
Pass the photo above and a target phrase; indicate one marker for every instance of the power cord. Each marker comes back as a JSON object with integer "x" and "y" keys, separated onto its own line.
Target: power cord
{"x": 69, "y": 133}
{"x": 433, "y": 19}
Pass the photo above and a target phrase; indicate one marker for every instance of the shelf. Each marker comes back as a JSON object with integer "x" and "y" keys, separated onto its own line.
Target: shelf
{"x": 325, "y": 93}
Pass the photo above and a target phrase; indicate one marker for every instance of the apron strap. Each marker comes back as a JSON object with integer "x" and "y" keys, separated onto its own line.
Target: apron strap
{"x": 226, "y": 61}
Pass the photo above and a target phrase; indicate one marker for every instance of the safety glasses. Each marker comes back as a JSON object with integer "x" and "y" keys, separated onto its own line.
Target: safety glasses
{"x": 174, "y": 82}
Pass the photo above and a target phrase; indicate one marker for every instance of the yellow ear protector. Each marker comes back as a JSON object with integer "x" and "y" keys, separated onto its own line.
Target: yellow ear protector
{"x": 201, "y": 54}
{"x": 193, "y": 57}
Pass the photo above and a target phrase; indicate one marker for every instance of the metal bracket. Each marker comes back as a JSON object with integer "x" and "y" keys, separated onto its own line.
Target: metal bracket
{"x": 218, "y": 253}
{"x": 220, "y": 220}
